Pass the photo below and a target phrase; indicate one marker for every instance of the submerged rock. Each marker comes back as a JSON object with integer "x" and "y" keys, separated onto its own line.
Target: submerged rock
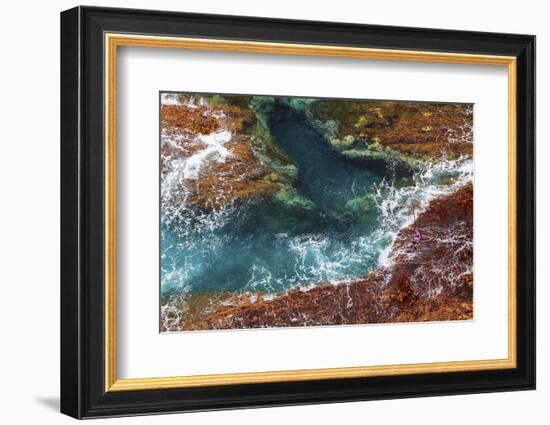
{"x": 363, "y": 205}
{"x": 290, "y": 198}
{"x": 430, "y": 281}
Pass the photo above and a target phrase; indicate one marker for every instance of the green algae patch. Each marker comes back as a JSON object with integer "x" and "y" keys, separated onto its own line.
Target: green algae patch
{"x": 290, "y": 198}
{"x": 380, "y": 153}
{"x": 362, "y": 205}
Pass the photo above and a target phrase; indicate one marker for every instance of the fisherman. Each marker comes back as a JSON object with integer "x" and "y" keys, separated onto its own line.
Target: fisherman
{"x": 417, "y": 238}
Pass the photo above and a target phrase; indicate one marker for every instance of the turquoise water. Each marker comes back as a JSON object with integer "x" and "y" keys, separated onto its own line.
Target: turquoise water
{"x": 272, "y": 248}
{"x": 269, "y": 247}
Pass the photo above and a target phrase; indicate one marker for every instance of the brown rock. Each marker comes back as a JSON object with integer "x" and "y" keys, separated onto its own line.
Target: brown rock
{"x": 429, "y": 130}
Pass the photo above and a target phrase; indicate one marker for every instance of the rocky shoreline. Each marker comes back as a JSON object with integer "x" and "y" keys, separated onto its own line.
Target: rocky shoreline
{"x": 428, "y": 281}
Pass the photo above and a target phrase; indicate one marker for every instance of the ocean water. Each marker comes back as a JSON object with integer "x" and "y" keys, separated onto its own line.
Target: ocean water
{"x": 270, "y": 248}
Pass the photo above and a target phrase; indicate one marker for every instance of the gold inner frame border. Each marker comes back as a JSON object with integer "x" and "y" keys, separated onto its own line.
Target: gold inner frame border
{"x": 111, "y": 43}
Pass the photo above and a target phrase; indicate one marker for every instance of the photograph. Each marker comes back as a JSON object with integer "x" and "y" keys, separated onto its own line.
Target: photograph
{"x": 303, "y": 211}
{"x": 261, "y": 211}
{"x": 275, "y": 213}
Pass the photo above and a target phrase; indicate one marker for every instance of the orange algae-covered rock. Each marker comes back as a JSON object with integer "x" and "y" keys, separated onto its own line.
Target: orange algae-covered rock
{"x": 385, "y": 129}
{"x": 238, "y": 176}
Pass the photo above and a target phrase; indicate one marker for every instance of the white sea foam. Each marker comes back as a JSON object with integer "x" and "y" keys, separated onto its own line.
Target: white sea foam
{"x": 260, "y": 278}
{"x": 191, "y": 102}
{"x": 169, "y": 99}
{"x": 214, "y": 151}
{"x": 183, "y": 168}
{"x": 321, "y": 258}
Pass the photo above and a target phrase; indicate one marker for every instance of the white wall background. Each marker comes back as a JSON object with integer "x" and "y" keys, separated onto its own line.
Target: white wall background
{"x": 29, "y": 210}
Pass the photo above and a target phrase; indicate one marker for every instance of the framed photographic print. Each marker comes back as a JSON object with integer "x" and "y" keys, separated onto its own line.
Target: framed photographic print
{"x": 261, "y": 212}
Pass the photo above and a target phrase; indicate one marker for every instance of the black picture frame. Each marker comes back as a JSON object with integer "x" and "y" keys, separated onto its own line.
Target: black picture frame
{"x": 83, "y": 392}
